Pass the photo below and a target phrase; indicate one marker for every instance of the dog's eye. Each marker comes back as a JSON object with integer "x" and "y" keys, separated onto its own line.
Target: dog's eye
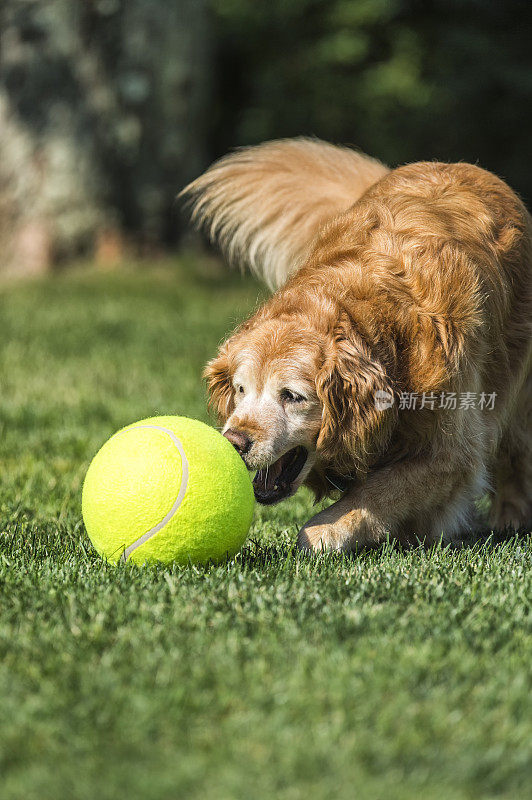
{"x": 240, "y": 389}
{"x": 287, "y": 396}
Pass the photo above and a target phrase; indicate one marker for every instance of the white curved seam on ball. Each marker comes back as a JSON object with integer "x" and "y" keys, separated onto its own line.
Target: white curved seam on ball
{"x": 180, "y": 496}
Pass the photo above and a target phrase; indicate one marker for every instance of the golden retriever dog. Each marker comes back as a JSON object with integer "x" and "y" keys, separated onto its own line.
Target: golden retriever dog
{"x": 392, "y": 365}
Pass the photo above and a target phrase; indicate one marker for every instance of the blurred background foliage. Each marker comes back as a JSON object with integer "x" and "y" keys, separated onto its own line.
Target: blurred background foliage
{"x": 108, "y": 107}
{"x": 403, "y": 79}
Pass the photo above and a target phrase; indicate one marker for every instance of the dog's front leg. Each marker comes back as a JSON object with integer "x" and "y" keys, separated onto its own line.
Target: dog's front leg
{"x": 419, "y": 499}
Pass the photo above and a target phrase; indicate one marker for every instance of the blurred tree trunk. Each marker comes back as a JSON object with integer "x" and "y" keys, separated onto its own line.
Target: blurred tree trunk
{"x": 102, "y": 106}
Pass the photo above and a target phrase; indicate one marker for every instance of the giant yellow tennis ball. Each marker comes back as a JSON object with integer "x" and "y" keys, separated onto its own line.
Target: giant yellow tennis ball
{"x": 167, "y": 489}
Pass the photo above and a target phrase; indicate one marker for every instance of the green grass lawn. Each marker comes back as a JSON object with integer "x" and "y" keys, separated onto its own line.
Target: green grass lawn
{"x": 387, "y": 675}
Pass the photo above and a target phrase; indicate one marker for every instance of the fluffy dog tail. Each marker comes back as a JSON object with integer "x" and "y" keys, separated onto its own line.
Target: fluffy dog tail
{"x": 264, "y": 205}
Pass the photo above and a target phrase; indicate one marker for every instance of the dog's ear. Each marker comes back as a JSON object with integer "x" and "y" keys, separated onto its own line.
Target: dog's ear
{"x": 218, "y": 376}
{"x": 358, "y": 406}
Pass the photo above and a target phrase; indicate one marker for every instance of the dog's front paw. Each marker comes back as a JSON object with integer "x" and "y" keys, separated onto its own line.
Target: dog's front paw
{"x": 314, "y": 538}
{"x": 340, "y": 532}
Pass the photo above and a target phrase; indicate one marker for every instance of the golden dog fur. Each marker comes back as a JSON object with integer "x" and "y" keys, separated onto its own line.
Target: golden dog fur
{"x": 416, "y": 280}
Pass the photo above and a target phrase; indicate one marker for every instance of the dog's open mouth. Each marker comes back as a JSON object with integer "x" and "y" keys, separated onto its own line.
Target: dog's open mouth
{"x": 275, "y": 482}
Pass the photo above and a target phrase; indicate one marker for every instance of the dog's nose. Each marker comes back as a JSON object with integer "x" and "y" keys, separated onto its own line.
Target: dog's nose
{"x": 240, "y": 440}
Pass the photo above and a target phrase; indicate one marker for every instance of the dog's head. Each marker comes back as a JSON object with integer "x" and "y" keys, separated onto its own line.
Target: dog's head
{"x": 296, "y": 399}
